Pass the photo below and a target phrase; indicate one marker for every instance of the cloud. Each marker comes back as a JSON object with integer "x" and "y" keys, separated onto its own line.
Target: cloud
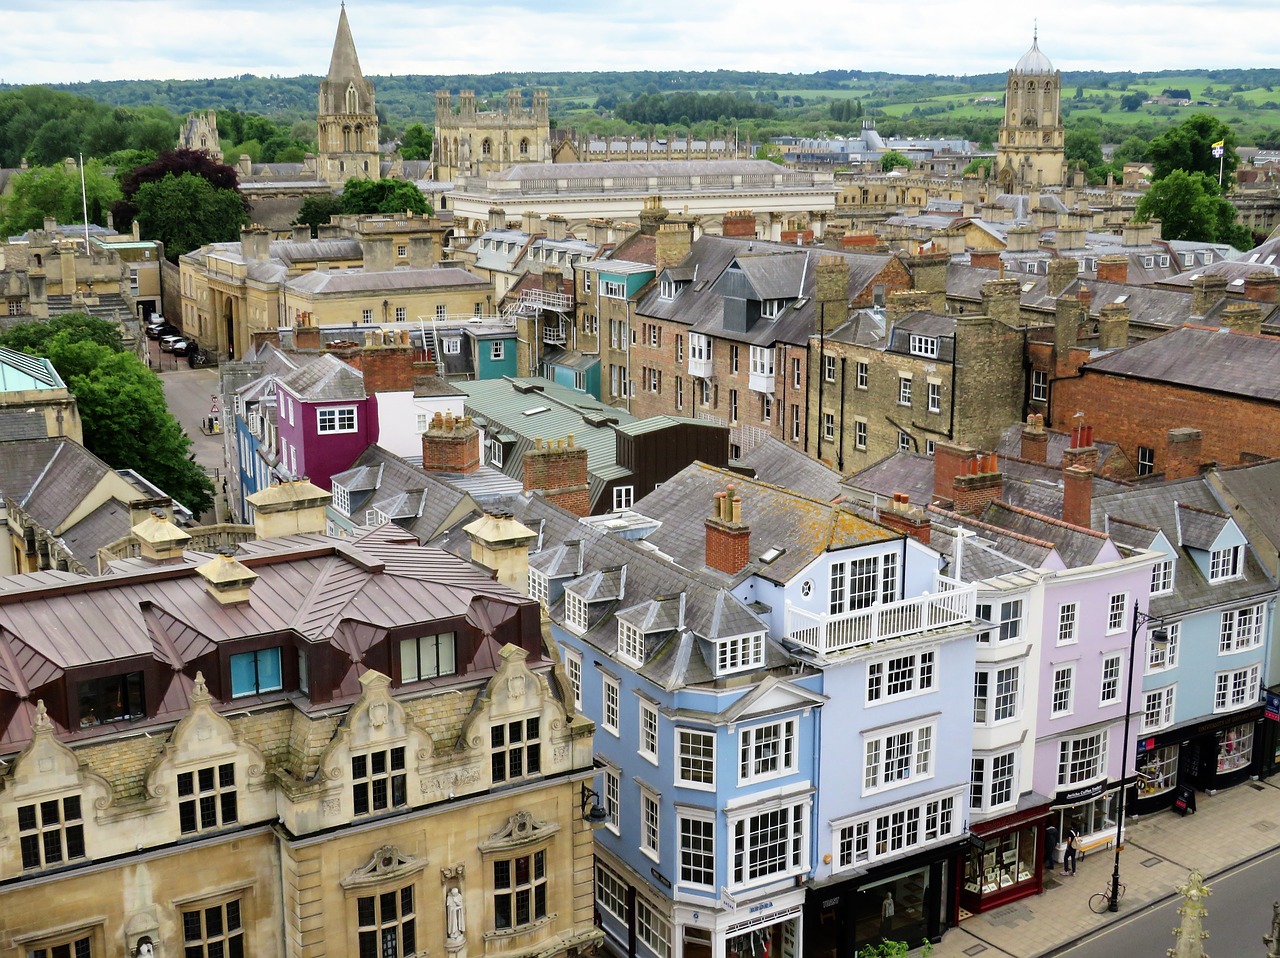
{"x": 54, "y": 41}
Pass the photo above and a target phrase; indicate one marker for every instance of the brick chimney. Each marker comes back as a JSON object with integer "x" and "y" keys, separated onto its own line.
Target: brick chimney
{"x": 1035, "y": 440}
{"x": 451, "y": 445}
{"x": 673, "y": 242}
{"x": 1113, "y": 326}
{"x": 902, "y": 516}
{"x": 1183, "y": 453}
{"x": 1085, "y": 296}
{"x": 1081, "y": 451}
{"x": 1077, "y": 496}
{"x": 985, "y": 258}
{"x": 1113, "y": 269}
{"x": 558, "y": 469}
{"x": 728, "y": 538}
{"x": 740, "y": 224}
{"x": 1246, "y": 317}
{"x": 1262, "y": 287}
{"x": 1206, "y": 292}
{"x": 1062, "y": 273}
{"x": 967, "y": 478}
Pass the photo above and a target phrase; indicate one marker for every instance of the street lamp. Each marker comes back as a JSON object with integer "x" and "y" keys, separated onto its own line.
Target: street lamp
{"x": 593, "y": 813}
{"x": 1160, "y": 637}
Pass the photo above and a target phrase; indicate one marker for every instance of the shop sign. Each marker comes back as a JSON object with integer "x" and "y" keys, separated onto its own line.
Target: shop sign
{"x": 1272, "y": 709}
{"x": 759, "y": 907}
{"x": 1081, "y": 794}
{"x": 1146, "y": 745}
{"x": 977, "y": 842}
{"x": 660, "y": 878}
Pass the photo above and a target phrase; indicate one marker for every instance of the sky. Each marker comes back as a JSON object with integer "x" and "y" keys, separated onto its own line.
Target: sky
{"x": 49, "y": 41}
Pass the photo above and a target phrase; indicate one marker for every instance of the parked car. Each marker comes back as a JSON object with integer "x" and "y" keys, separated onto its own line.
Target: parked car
{"x": 180, "y": 347}
{"x": 167, "y": 342}
{"x": 157, "y": 330}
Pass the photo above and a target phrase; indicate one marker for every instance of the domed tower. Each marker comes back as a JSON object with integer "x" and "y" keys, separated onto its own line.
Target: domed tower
{"x": 1031, "y": 151}
{"x": 347, "y": 122}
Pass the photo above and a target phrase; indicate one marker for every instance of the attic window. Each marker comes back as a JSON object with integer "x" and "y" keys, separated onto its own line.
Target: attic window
{"x": 667, "y": 289}
{"x": 740, "y": 653}
{"x": 924, "y": 346}
{"x": 1028, "y": 287}
{"x": 772, "y": 308}
{"x": 771, "y": 555}
{"x": 630, "y": 644}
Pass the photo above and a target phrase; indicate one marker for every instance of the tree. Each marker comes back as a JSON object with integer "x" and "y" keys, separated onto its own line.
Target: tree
{"x": 981, "y": 167}
{"x": 415, "y": 144}
{"x": 892, "y": 160}
{"x": 1189, "y": 147}
{"x": 1083, "y": 145}
{"x": 176, "y": 162}
{"x": 53, "y": 191}
{"x": 383, "y": 196}
{"x": 318, "y": 210}
{"x": 186, "y": 212}
{"x": 1190, "y": 207}
{"x": 1131, "y": 101}
{"x": 126, "y": 420}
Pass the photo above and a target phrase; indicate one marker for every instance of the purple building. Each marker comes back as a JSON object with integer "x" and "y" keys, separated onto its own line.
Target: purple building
{"x": 325, "y": 420}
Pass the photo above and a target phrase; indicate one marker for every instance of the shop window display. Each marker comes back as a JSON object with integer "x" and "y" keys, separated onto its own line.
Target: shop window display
{"x": 1006, "y": 861}
{"x": 1235, "y": 750}
{"x": 1090, "y": 818}
{"x": 774, "y": 941}
{"x": 1158, "y": 771}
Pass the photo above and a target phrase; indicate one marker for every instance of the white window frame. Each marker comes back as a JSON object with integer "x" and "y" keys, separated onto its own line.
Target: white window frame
{"x": 1162, "y": 577}
{"x": 1117, "y": 613}
{"x": 402, "y": 314}
{"x": 828, "y": 367}
{"x": 1164, "y": 656}
{"x": 894, "y": 677}
{"x": 1062, "y": 690}
{"x": 497, "y": 350}
{"x": 1158, "y": 708}
{"x": 623, "y": 497}
{"x": 861, "y": 373}
{"x": 610, "y": 704}
{"x": 1236, "y": 689}
{"x": 897, "y": 756}
{"x": 788, "y": 827}
{"x": 999, "y": 703}
{"x": 1226, "y": 564}
{"x": 573, "y": 669}
{"x": 860, "y": 434}
{"x": 652, "y": 928}
{"x": 828, "y": 426}
{"x": 869, "y": 838}
{"x": 923, "y": 346}
{"x": 650, "y": 825}
{"x": 761, "y": 360}
{"x": 701, "y": 845}
{"x": 611, "y": 892}
{"x": 341, "y": 499}
{"x": 699, "y": 347}
{"x": 612, "y": 289}
{"x": 983, "y": 780}
{"x": 1241, "y": 629}
{"x": 331, "y": 420}
{"x": 768, "y": 751}
{"x": 1068, "y": 623}
{"x": 1112, "y": 679}
{"x": 1039, "y": 385}
{"x": 695, "y": 752}
{"x": 904, "y": 390}
{"x": 575, "y": 612}
{"x": 612, "y": 797}
{"x": 740, "y": 653}
{"x": 1073, "y": 751}
{"x": 935, "y": 397}
{"x": 647, "y": 732}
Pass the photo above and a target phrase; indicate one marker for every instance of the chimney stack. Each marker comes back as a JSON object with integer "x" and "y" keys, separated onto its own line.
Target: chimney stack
{"x": 1183, "y": 453}
{"x": 740, "y": 224}
{"x": 984, "y": 258}
{"x": 159, "y": 540}
{"x": 1113, "y": 268}
{"x": 1113, "y": 326}
{"x": 1081, "y": 451}
{"x": 1077, "y": 496}
{"x": 728, "y": 540}
{"x": 831, "y": 291}
{"x": 226, "y": 579}
{"x": 1242, "y": 316}
{"x": 1206, "y": 292}
{"x": 1062, "y": 273}
{"x": 377, "y": 252}
{"x": 451, "y": 445}
{"x": 1035, "y": 440}
{"x": 968, "y": 479}
{"x": 289, "y": 508}
{"x": 1262, "y": 287}
{"x": 501, "y": 543}
{"x": 558, "y": 470}
{"x": 902, "y": 516}
{"x": 673, "y": 242}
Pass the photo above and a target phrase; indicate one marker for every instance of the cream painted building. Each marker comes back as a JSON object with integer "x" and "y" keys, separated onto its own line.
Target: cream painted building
{"x": 311, "y": 748}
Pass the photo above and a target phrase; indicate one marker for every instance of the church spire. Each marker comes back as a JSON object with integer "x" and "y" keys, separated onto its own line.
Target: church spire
{"x": 344, "y": 64}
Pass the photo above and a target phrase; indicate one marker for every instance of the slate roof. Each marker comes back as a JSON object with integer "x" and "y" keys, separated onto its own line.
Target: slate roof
{"x": 777, "y": 517}
{"x": 1199, "y": 528}
{"x": 1010, "y": 445}
{"x": 19, "y": 424}
{"x": 324, "y": 379}
{"x": 1257, "y": 489}
{"x": 358, "y": 281}
{"x": 783, "y": 465}
{"x": 418, "y": 502}
{"x": 1213, "y": 360}
{"x": 49, "y": 478}
{"x": 1157, "y": 506}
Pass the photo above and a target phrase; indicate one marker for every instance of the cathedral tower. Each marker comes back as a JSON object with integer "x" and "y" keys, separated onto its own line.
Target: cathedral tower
{"x": 1031, "y": 151}
{"x": 346, "y": 119}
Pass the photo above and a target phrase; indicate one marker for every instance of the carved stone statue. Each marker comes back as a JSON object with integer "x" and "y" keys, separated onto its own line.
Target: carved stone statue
{"x": 145, "y": 948}
{"x": 455, "y": 920}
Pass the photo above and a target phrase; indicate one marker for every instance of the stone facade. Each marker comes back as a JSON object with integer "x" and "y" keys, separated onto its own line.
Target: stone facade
{"x": 471, "y": 142}
{"x": 1031, "y": 148}
{"x": 346, "y": 116}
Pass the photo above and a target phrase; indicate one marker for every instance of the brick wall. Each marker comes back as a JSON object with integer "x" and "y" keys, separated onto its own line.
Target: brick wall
{"x": 1133, "y": 413}
{"x": 559, "y": 470}
{"x": 387, "y": 368}
{"x": 451, "y": 445}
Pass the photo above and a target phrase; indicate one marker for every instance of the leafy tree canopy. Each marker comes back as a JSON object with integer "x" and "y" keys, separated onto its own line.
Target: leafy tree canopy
{"x": 198, "y": 162}
{"x": 318, "y": 210}
{"x": 55, "y": 191}
{"x": 981, "y": 166}
{"x": 185, "y": 212}
{"x": 1190, "y": 207}
{"x": 892, "y": 160}
{"x": 383, "y": 196}
{"x": 415, "y": 144}
{"x": 126, "y": 420}
{"x": 1083, "y": 145}
{"x": 1189, "y": 147}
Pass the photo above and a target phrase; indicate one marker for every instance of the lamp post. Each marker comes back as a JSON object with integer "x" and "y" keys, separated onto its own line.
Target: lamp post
{"x": 1159, "y": 636}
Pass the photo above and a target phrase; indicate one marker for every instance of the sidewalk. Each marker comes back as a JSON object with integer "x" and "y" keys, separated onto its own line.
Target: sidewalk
{"x": 1229, "y": 828}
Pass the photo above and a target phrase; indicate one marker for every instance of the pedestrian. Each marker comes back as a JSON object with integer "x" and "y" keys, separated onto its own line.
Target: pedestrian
{"x": 1051, "y": 848}
{"x": 886, "y": 915}
{"x": 1069, "y": 856}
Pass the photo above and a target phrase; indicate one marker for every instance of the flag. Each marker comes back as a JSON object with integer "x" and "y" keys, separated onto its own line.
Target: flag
{"x": 1220, "y": 144}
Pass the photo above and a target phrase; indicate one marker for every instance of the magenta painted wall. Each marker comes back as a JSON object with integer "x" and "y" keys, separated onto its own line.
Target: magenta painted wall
{"x": 320, "y": 456}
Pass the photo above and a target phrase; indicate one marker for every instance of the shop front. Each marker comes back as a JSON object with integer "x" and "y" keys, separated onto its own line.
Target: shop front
{"x": 1269, "y": 743}
{"x": 1206, "y": 756}
{"x": 906, "y": 900}
{"x": 769, "y": 927}
{"x": 1004, "y": 859}
{"x": 1092, "y": 811}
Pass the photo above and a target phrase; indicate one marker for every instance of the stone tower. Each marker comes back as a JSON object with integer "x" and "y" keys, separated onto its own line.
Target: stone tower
{"x": 200, "y": 132}
{"x": 1031, "y": 151}
{"x": 475, "y": 142}
{"x": 346, "y": 119}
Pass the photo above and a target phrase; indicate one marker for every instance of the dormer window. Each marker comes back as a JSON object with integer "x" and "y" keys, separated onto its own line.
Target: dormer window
{"x": 772, "y": 308}
{"x": 112, "y": 698}
{"x": 575, "y": 612}
{"x": 630, "y": 644}
{"x": 740, "y": 653}
{"x": 342, "y": 499}
{"x": 924, "y": 346}
{"x": 667, "y": 288}
{"x": 611, "y": 289}
{"x": 1226, "y": 563}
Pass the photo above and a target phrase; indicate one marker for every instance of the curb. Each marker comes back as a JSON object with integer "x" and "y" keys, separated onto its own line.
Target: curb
{"x": 1155, "y": 903}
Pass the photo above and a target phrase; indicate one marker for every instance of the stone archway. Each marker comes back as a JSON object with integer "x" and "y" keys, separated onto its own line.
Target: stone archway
{"x": 229, "y": 319}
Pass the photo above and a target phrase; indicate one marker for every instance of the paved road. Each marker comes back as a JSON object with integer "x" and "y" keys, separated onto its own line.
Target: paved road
{"x": 1239, "y": 915}
{"x": 188, "y": 392}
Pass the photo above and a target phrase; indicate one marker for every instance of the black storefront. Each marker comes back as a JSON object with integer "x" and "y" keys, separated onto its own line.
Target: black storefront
{"x": 1269, "y": 746}
{"x": 844, "y": 916}
{"x": 1206, "y": 756}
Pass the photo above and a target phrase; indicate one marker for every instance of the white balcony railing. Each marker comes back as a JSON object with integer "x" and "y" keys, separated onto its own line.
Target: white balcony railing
{"x": 951, "y": 604}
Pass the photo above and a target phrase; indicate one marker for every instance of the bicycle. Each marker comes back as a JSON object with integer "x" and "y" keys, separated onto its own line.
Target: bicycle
{"x": 1101, "y": 902}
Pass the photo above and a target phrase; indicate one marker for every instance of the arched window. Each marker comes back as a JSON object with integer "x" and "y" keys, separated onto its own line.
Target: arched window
{"x": 1031, "y": 86}
{"x": 524, "y": 146}
{"x": 359, "y": 137}
{"x": 346, "y": 139}
{"x": 486, "y": 147}
{"x": 353, "y": 99}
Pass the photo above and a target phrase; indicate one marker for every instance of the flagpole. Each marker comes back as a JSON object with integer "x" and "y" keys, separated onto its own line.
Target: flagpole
{"x": 84, "y": 204}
